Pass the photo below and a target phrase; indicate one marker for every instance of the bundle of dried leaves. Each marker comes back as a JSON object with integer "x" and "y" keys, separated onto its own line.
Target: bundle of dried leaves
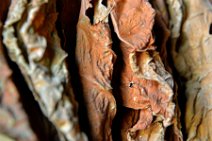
{"x": 123, "y": 61}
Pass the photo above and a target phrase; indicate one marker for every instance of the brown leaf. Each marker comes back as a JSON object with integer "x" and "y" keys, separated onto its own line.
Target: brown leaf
{"x": 95, "y": 60}
{"x": 145, "y": 84}
{"x": 133, "y": 23}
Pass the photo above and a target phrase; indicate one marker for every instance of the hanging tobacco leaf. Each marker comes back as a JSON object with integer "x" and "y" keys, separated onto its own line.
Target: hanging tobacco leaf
{"x": 192, "y": 58}
{"x": 145, "y": 84}
{"x": 32, "y": 42}
{"x": 95, "y": 60}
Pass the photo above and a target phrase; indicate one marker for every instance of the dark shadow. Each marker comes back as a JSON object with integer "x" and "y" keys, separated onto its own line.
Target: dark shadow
{"x": 90, "y": 14}
{"x": 4, "y": 7}
{"x": 181, "y": 98}
{"x": 116, "y": 82}
{"x": 104, "y": 2}
{"x": 66, "y": 27}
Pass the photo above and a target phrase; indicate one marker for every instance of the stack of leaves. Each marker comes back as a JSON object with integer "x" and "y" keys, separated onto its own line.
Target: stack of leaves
{"x": 101, "y": 70}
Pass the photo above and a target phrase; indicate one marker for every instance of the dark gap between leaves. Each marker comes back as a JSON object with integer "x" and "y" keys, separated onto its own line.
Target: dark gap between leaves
{"x": 66, "y": 24}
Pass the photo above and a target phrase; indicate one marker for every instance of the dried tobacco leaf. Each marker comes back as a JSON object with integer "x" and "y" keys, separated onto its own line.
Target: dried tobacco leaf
{"x": 95, "y": 60}
{"x": 145, "y": 84}
{"x": 14, "y": 123}
{"x": 32, "y": 42}
{"x": 193, "y": 61}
